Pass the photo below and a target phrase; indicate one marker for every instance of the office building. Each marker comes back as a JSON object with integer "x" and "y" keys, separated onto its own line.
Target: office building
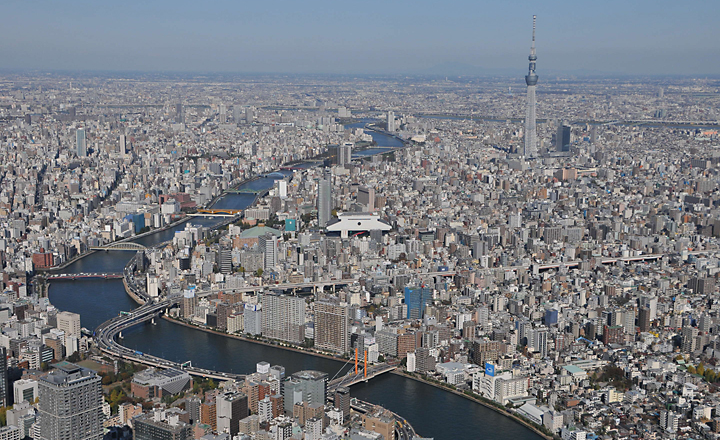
{"x": 231, "y": 407}
{"x": 161, "y": 425}
{"x": 342, "y": 401}
{"x": 268, "y": 245}
{"x": 69, "y": 323}
{"x": 417, "y": 298}
{"x": 366, "y": 197}
{"x": 25, "y": 390}
{"x": 332, "y": 326}
{"x": 151, "y": 383}
{"x": 179, "y": 118}
{"x": 283, "y": 317}
{"x": 531, "y": 80}
{"x": 70, "y": 405}
{"x": 562, "y": 138}
{"x": 81, "y": 143}
{"x": 307, "y": 386}
{"x": 380, "y": 421}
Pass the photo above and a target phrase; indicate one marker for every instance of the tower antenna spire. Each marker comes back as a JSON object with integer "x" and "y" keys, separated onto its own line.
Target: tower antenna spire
{"x": 534, "y": 19}
{"x": 533, "y": 38}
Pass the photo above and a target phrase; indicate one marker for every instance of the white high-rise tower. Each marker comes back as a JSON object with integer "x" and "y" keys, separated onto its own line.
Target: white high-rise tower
{"x": 531, "y": 80}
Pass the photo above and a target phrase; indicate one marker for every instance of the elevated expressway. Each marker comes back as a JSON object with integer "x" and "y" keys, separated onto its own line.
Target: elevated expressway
{"x": 107, "y": 333}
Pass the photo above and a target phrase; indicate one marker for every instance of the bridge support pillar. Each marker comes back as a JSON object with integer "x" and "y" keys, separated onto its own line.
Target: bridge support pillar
{"x": 120, "y": 335}
{"x": 152, "y": 321}
{"x": 365, "y": 364}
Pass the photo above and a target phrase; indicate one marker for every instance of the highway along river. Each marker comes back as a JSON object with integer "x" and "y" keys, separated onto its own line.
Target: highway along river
{"x": 431, "y": 411}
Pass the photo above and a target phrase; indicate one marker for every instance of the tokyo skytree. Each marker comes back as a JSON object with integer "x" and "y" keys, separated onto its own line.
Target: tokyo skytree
{"x": 531, "y": 80}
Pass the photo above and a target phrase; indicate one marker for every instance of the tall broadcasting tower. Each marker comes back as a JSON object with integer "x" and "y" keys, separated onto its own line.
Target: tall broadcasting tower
{"x": 531, "y": 80}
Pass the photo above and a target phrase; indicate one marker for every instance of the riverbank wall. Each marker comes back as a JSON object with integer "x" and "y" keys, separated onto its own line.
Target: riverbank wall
{"x": 497, "y": 409}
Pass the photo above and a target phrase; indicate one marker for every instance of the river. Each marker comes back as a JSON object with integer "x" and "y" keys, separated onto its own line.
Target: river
{"x": 431, "y": 411}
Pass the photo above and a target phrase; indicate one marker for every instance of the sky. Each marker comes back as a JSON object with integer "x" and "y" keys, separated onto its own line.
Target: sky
{"x": 636, "y": 37}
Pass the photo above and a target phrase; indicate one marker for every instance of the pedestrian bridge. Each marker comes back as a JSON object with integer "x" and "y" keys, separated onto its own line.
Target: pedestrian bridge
{"x": 124, "y": 246}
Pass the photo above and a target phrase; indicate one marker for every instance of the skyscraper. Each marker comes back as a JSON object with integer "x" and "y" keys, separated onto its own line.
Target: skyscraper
{"x": 324, "y": 201}
{"x": 70, "y": 404}
{"x": 345, "y": 153}
{"x": 531, "y": 80}
{"x": 122, "y": 147}
{"x": 179, "y": 113}
{"x": 81, "y": 142}
{"x": 391, "y": 121}
{"x": 268, "y": 245}
{"x": 562, "y": 138}
{"x": 416, "y": 299}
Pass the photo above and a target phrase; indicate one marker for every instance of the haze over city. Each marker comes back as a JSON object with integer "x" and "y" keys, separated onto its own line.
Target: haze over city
{"x": 408, "y": 37}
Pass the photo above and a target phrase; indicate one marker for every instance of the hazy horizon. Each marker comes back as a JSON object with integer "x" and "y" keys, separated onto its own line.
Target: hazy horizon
{"x": 658, "y": 38}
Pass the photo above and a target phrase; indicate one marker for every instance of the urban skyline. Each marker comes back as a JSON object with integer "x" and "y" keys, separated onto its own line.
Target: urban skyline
{"x": 334, "y": 256}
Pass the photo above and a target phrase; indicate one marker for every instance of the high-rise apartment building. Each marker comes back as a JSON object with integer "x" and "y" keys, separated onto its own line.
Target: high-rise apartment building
{"x": 70, "y": 405}
{"x": 324, "y": 201}
{"x": 344, "y": 153}
{"x": 4, "y": 382}
{"x": 122, "y": 145}
{"x": 283, "y": 317}
{"x": 391, "y": 121}
{"x": 81, "y": 143}
{"x": 332, "y": 330}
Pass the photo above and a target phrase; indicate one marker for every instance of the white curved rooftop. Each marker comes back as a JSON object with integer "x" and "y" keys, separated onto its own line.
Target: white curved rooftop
{"x": 361, "y": 221}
